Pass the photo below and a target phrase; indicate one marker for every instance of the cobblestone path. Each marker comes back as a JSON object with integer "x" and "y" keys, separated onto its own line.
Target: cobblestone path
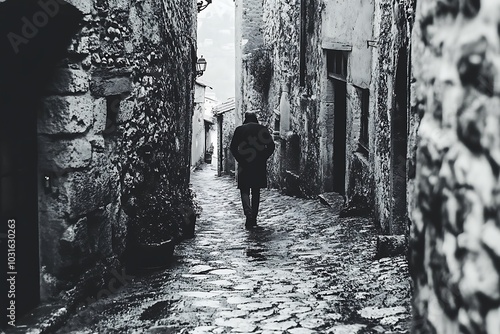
{"x": 304, "y": 270}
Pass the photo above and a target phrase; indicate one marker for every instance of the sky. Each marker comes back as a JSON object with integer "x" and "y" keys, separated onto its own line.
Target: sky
{"x": 216, "y": 45}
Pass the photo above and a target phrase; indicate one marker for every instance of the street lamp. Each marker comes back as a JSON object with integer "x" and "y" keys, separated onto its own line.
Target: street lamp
{"x": 202, "y": 4}
{"x": 201, "y": 66}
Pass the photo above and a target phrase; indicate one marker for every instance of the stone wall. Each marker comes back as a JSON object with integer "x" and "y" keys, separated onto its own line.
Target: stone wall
{"x": 376, "y": 176}
{"x": 392, "y": 124}
{"x": 114, "y": 135}
{"x": 456, "y": 222}
{"x": 248, "y": 40}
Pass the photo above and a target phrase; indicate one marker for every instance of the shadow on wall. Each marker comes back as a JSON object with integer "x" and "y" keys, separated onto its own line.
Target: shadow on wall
{"x": 34, "y": 39}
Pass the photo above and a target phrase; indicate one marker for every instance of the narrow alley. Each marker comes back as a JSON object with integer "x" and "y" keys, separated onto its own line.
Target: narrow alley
{"x": 303, "y": 270}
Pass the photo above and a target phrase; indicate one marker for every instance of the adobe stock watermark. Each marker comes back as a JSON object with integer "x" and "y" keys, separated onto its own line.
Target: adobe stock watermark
{"x": 249, "y": 148}
{"x": 31, "y": 26}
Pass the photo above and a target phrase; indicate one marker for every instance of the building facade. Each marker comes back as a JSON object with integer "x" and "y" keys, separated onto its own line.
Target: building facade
{"x": 226, "y": 114}
{"x": 96, "y": 101}
{"x": 203, "y": 126}
{"x": 332, "y": 82}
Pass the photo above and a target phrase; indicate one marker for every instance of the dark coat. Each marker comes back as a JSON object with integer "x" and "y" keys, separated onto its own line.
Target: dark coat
{"x": 251, "y": 146}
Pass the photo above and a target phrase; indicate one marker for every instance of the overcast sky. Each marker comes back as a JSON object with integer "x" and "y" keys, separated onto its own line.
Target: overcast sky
{"x": 216, "y": 44}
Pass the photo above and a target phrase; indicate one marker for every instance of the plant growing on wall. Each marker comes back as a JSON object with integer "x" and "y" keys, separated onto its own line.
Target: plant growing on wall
{"x": 166, "y": 214}
{"x": 260, "y": 67}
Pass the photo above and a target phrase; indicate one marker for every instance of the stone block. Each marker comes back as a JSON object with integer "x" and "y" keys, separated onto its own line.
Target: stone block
{"x": 74, "y": 245}
{"x": 119, "y": 227}
{"x": 101, "y": 86}
{"x": 391, "y": 245}
{"x": 119, "y": 4}
{"x": 50, "y": 230}
{"x": 126, "y": 111}
{"x": 64, "y": 154}
{"x": 100, "y": 112}
{"x": 65, "y": 115}
{"x": 85, "y": 191}
{"x": 69, "y": 81}
{"x": 84, "y": 6}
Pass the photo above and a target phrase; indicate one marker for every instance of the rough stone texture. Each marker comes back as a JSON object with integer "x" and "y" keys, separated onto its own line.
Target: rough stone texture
{"x": 114, "y": 131}
{"x": 304, "y": 270}
{"x": 69, "y": 81}
{"x": 57, "y": 155}
{"x": 110, "y": 86}
{"x": 65, "y": 115}
{"x": 394, "y": 245}
{"x": 454, "y": 259}
{"x": 269, "y": 79}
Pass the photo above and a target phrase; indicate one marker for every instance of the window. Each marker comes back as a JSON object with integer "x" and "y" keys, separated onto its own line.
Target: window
{"x": 364, "y": 95}
{"x": 336, "y": 63}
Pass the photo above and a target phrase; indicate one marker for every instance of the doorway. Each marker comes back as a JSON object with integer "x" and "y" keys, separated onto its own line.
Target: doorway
{"x": 339, "y": 138}
{"x": 36, "y": 43}
{"x": 399, "y": 145}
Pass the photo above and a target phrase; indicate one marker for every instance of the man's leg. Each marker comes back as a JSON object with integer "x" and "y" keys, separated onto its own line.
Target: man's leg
{"x": 245, "y": 200}
{"x": 255, "y": 204}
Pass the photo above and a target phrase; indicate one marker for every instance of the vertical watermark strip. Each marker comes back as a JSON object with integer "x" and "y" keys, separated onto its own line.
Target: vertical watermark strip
{"x": 11, "y": 272}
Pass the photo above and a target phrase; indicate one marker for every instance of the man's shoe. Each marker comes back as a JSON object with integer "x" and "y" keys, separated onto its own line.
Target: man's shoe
{"x": 250, "y": 223}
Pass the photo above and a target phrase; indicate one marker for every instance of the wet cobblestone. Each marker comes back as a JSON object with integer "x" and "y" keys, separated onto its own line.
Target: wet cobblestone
{"x": 304, "y": 270}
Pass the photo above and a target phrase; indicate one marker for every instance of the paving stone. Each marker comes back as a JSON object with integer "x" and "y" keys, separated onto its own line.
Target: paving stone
{"x": 279, "y": 326}
{"x": 303, "y": 271}
{"x": 375, "y": 312}
{"x": 254, "y": 306}
{"x": 201, "y": 269}
{"x": 346, "y": 329}
{"x": 222, "y": 272}
{"x": 300, "y": 330}
{"x": 312, "y": 323}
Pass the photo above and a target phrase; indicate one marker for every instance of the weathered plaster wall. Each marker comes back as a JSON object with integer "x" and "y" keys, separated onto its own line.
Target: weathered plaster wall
{"x": 198, "y": 137}
{"x": 114, "y": 138}
{"x": 456, "y": 222}
{"x": 354, "y": 27}
{"x": 228, "y": 127}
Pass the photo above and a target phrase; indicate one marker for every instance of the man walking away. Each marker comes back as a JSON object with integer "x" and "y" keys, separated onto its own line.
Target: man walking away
{"x": 251, "y": 146}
